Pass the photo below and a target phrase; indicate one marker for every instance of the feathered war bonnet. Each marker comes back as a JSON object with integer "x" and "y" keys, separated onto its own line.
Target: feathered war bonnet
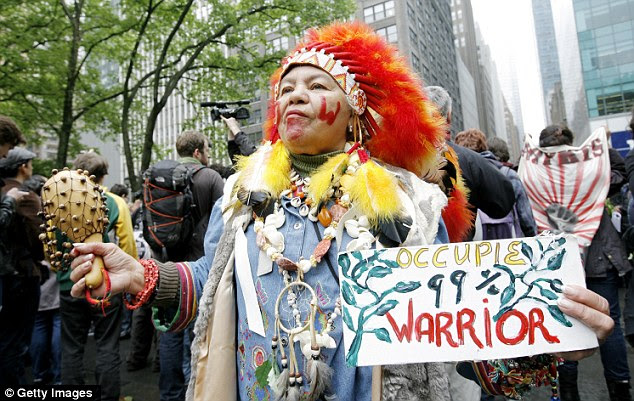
{"x": 393, "y": 110}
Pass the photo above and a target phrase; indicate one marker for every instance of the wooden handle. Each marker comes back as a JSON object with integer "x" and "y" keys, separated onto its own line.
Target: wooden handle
{"x": 94, "y": 278}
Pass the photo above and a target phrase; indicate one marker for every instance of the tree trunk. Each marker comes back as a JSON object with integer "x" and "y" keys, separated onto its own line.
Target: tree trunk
{"x": 71, "y": 80}
{"x": 127, "y": 149}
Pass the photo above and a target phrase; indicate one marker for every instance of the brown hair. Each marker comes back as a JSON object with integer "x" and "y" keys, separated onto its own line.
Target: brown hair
{"x": 188, "y": 142}
{"x": 555, "y": 135}
{"x": 9, "y": 132}
{"x": 473, "y": 139}
{"x": 94, "y": 163}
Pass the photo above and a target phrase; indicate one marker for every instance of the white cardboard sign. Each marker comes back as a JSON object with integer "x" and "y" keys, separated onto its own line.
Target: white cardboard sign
{"x": 462, "y": 301}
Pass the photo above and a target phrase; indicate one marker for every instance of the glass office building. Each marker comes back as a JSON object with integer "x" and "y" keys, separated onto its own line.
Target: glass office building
{"x": 605, "y": 30}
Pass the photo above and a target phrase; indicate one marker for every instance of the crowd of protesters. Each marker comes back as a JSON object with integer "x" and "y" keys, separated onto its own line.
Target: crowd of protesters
{"x": 41, "y": 323}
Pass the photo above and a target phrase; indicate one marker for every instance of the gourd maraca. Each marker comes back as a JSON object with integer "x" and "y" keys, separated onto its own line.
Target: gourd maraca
{"x": 74, "y": 205}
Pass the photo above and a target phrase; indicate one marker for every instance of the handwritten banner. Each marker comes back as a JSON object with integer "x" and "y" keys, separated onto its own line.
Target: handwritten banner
{"x": 463, "y": 301}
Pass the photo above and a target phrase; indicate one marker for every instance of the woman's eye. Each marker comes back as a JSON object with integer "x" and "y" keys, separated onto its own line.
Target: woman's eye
{"x": 317, "y": 86}
{"x": 286, "y": 89}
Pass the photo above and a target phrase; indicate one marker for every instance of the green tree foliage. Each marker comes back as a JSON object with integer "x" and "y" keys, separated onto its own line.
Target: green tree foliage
{"x": 109, "y": 67}
{"x": 54, "y": 72}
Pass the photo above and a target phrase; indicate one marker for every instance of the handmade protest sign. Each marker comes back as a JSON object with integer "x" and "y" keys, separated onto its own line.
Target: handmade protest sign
{"x": 462, "y": 301}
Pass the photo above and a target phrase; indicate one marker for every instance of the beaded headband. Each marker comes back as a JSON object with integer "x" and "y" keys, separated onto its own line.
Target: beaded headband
{"x": 339, "y": 72}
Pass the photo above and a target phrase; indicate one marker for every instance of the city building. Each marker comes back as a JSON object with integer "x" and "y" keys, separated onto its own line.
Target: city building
{"x": 605, "y": 33}
{"x": 422, "y": 30}
{"x": 548, "y": 62}
{"x": 477, "y": 59}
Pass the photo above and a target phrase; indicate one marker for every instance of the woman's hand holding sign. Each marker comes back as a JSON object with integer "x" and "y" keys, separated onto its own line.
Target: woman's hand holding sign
{"x": 592, "y": 310}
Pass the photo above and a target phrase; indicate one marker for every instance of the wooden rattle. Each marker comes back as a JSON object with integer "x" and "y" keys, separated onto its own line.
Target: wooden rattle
{"x": 74, "y": 207}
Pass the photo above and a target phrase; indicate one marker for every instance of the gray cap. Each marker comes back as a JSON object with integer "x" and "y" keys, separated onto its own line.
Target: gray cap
{"x": 17, "y": 157}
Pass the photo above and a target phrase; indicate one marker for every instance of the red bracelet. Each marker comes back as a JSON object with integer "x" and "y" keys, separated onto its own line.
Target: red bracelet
{"x": 150, "y": 274}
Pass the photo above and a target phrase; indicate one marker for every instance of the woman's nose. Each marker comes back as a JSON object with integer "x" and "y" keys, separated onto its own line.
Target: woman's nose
{"x": 298, "y": 95}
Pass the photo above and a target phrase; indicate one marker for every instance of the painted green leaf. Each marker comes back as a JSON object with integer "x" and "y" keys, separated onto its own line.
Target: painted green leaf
{"x": 360, "y": 268}
{"x": 507, "y": 295}
{"x": 527, "y": 251}
{"x": 559, "y": 315}
{"x": 382, "y": 335}
{"x": 347, "y": 294}
{"x": 262, "y": 373}
{"x": 344, "y": 262}
{"x": 392, "y": 264}
{"x": 541, "y": 247}
{"x": 554, "y": 262}
{"x": 357, "y": 254}
{"x": 406, "y": 286}
{"x": 379, "y": 272}
{"x": 347, "y": 319}
{"x": 501, "y": 312}
{"x": 556, "y": 285}
{"x": 386, "y": 307}
{"x": 548, "y": 293}
{"x": 505, "y": 269}
{"x": 356, "y": 288}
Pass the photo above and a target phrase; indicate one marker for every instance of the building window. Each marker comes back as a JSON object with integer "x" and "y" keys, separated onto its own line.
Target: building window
{"x": 389, "y": 33}
{"x": 415, "y": 62}
{"x": 278, "y": 44}
{"x": 378, "y": 12}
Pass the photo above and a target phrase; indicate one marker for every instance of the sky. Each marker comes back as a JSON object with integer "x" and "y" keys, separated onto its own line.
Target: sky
{"x": 507, "y": 27}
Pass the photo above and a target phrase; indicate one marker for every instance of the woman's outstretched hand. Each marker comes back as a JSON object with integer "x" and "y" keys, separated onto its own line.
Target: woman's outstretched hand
{"x": 592, "y": 310}
{"x": 126, "y": 273}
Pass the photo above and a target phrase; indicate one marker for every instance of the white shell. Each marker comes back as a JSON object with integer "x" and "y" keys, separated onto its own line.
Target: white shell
{"x": 364, "y": 222}
{"x": 345, "y": 198}
{"x": 330, "y": 192}
{"x": 258, "y": 225}
{"x": 351, "y": 170}
{"x": 303, "y": 210}
{"x": 363, "y": 242}
{"x": 312, "y": 215}
{"x": 296, "y": 201}
{"x": 270, "y": 251}
{"x": 352, "y": 227}
{"x": 286, "y": 192}
{"x": 307, "y": 180}
{"x": 330, "y": 232}
{"x": 305, "y": 265}
{"x": 275, "y": 220}
{"x": 274, "y": 237}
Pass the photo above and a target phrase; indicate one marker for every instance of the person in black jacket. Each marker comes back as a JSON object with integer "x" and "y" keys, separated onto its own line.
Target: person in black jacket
{"x": 10, "y": 136}
{"x": 19, "y": 270}
{"x": 489, "y": 190}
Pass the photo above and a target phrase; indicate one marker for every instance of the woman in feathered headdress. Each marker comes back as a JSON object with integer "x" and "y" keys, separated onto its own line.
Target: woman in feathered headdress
{"x": 348, "y": 134}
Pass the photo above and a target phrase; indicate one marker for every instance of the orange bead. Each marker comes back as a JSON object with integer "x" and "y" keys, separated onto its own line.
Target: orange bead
{"x": 301, "y": 195}
{"x": 324, "y": 216}
{"x": 293, "y": 187}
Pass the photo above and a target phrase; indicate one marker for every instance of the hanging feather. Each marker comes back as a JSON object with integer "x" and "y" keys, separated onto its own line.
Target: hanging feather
{"x": 375, "y": 191}
{"x": 277, "y": 174}
{"x": 280, "y": 386}
{"x": 394, "y": 232}
{"x": 293, "y": 393}
{"x": 320, "y": 376}
{"x": 263, "y": 175}
{"x": 322, "y": 179}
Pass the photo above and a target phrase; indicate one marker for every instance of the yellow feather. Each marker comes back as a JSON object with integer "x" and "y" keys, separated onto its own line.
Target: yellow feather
{"x": 321, "y": 180}
{"x": 374, "y": 189}
{"x": 277, "y": 173}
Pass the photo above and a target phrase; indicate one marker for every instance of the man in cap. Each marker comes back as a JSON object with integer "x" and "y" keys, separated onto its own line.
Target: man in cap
{"x": 19, "y": 268}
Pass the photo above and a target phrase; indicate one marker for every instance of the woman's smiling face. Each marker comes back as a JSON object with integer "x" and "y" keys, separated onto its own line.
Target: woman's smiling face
{"x": 312, "y": 112}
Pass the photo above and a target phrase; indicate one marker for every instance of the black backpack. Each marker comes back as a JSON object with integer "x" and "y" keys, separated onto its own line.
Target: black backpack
{"x": 168, "y": 202}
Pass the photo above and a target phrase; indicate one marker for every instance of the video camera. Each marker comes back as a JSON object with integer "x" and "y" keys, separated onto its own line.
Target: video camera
{"x": 221, "y": 108}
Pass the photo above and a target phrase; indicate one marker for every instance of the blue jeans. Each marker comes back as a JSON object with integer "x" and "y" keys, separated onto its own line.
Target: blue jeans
{"x": 175, "y": 354}
{"x": 613, "y": 351}
{"x": 46, "y": 349}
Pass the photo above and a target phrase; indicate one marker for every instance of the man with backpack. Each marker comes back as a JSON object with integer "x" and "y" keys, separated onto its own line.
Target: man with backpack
{"x": 178, "y": 198}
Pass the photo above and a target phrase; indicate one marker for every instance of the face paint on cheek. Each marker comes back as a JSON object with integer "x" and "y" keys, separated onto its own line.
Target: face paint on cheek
{"x": 278, "y": 113}
{"x": 330, "y": 116}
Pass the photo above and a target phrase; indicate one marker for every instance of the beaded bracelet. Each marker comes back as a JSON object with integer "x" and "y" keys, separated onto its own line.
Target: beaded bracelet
{"x": 150, "y": 274}
{"x": 513, "y": 378}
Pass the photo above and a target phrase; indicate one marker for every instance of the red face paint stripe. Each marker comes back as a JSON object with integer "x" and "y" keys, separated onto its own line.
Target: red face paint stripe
{"x": 330, "y": 116}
